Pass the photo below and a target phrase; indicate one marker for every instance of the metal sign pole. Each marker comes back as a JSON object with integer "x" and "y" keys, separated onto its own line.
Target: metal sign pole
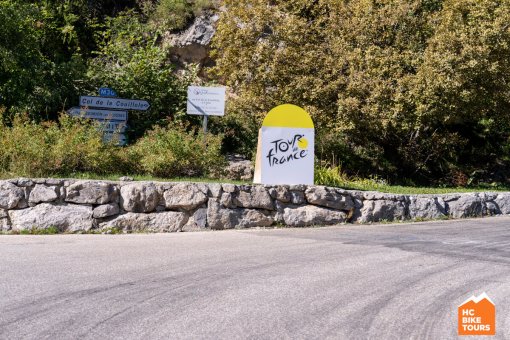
{"x": 205, "y": 129}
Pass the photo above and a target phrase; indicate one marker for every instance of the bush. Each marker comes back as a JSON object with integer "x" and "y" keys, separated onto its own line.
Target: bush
{"x": 131, "y": 62}
{"x": 169, "y": 15}
{"x": 50, "y": 148}
{"x": 173, "y": 151}
{"x": 408, "y": 89}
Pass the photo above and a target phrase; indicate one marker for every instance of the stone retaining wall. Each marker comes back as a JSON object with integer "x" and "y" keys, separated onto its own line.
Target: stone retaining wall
{"x": 77, "y": 205}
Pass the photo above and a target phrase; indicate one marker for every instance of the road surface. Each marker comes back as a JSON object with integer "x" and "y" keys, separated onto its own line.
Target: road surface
{"x": 401, "y": 281}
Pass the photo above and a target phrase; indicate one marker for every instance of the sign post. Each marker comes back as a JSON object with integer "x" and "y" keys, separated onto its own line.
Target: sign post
{"x": 206, "y": 101}
{"x": 114, "y": 103}
{"x": 285, "y": 151}
{"x": 98, "y": 114}
{"x": 111, "y": 111}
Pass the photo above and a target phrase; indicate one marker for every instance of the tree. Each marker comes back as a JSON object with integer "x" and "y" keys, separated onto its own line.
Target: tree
{"x": 130, "y": 61}
{"x": 36, "y": 78}
{"x": 400, "y": 88}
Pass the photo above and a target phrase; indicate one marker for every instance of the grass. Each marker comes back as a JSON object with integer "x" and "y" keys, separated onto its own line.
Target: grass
{"x": 115, "y": 177}
{"x": 406, "y": 190}
{"x": 333, "y": 176}
{"x": 52, "y": 230}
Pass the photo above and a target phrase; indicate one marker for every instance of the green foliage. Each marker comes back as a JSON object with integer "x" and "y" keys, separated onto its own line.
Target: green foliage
{"x": 37, "y": 150}
{"x": 51, "y": 230}
{"x": 240, "y": 132}
{"x": 170, "y": 15}
{"x": 174, "y": 151}
{"x": 131, "y": 62}
{"x": 334, "y": 176}
{"x": 37, "y": 73}
{"x": 74, "y": 146}
{"x": 401, "y": 88}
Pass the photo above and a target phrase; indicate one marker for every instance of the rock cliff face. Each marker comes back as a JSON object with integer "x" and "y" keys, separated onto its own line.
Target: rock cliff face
{"x": 192, "y": 44}
{"x": 82, "y": 206}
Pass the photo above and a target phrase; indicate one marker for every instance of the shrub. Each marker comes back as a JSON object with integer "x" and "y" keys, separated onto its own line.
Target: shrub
{"x": 409, "y": 89}
{"x": 131, "y": 62}
{"x": 54, "y": 148}
{"x": 175, "y": 14}
{"x": 173, "y": 151}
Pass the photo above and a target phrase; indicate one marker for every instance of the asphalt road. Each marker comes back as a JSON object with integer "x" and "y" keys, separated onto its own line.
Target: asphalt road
{"x": 401, "y": 281}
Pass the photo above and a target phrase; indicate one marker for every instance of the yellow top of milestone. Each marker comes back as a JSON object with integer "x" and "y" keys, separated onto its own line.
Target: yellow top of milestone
{"x": 288, "y": 116}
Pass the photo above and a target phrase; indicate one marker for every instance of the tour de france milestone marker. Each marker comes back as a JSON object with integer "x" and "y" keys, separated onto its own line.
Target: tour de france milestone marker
{"x": 285, "y": 151}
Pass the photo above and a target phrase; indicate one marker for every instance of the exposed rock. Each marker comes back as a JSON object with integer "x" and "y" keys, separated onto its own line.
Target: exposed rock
{"x": 198, "y": 221}
{"x": 450, "y": 197}
{"x": 184, "y": 196}
{"x": 227, "y": 201}
{"x": 254, "y": 218}
{"x": 297, "y": 197}
{"x": 67, "y": 217}
{"x": 491, "y": 208}
{"x": 192, "y": 45}
{"x": 328, "y": 197}
{"x": 169, "y": 221}
{"x": 503, "y": 202}
{"x": 231, "y": 188}
{"x": 24, "y": 182}
{"x": 91, "y": 192}
{"x": 374, "y": 195}
{"x": 10, "y": 195}
{"x": 221, "y": 218}
{"x": 358, "y": 204}
{"x": 312, "y": 215}
{"x": 42, "y": 193}
{"x": 54, "y": 181}
{"x": 281, "y": 193}
{"x": 215, "y": 190}
{"x": 126, "y": 179}
{"x": 382, "y": 210}
{"x": 466, "y": 206}
{"x": 254, "y": 197}
{"x": 239, "y": 168}
{"x": 139, "y": 197}
{"x": 426, "y": 208}
{"x": 23, "y": 203}
{"x": 106, "y": 210}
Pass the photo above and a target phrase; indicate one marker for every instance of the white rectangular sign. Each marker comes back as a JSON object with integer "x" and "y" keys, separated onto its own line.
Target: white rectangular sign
{"x": 114, "y": 103}
{"x": 287, "y": 155}
{"x": 206, "y": 101}
{"x": 114, "y": 127}
{"x": 99, "y": 114}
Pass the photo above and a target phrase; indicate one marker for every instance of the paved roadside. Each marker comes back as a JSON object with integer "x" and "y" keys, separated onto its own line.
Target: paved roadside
{"x": 346, "y": 282}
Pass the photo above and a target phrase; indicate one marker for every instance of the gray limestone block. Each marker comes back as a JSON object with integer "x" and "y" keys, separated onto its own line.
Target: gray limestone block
{"x": 10, "y": 195}
{"x": 169, "y": 221}
{"x": 91, "y": 192}
{"x": 139, "y": 197}
{"x": 328, "y": 197}
{"x": 42, "y": 193}
{"x": 67, "y": 217}
{"x": 184, "y": 196}
{"x": 310, "y": 215}
{"x": 468, "y": 205}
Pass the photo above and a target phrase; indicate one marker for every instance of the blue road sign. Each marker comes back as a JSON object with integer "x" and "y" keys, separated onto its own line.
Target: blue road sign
{"x": 107, "y": 92}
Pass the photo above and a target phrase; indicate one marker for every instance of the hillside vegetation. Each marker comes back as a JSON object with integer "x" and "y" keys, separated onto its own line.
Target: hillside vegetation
{"x": 408, "y": 91}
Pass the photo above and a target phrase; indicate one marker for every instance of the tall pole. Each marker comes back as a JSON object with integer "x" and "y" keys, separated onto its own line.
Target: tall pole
{"x": 205, "y": 129}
